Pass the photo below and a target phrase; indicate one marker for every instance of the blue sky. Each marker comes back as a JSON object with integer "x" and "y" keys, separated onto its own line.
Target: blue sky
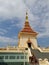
{"x": 12, "y": 18}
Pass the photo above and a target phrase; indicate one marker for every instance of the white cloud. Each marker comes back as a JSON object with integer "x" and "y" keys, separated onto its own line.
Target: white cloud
{"x": 14, "y": 8}
{"x": 17, "y": 8}
{"x": 7, "y": 40}
{"x": 46, "y": 26}
{"x": 3, "y": 31}
{"x": 29, "y": 2}
{"x": 11, "y": 8}
{"x": 43, "y": 35}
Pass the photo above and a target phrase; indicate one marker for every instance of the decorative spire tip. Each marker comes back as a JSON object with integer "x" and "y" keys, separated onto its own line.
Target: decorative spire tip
{"x": 26, "y": 16}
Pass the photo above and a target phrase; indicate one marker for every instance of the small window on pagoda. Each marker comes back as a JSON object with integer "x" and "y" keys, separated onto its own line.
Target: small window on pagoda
{"x": 17, "y": 57}
{"x": 12, "y": 57}
{"x": 22, "y": 57}
{"x": 1, "y": 57}
{"x": 6, "y": 57}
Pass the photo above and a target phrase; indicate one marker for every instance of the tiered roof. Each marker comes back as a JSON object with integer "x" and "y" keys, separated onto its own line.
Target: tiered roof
{"x": 27, "y": 28}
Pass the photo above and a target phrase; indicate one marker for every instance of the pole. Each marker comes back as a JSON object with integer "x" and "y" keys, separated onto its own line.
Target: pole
{"x": 24, "y": 57}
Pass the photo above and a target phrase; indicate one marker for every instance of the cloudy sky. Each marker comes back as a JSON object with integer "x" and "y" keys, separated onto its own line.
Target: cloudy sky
{"x": 12, "y": 18}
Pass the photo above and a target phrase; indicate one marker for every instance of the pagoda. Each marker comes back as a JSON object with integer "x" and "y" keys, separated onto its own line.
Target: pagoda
{"x": 27, "y": 33}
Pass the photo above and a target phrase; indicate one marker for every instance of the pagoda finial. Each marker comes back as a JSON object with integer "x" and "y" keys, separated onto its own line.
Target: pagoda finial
{"x": 26, "y": 16}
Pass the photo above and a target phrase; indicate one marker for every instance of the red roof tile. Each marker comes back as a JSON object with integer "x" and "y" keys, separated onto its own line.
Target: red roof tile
{"x": 27, "y": 28}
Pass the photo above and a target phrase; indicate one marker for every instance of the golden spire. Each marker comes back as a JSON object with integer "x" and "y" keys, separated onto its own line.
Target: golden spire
{"x": 26, "y": 16}
{"x": 27, "y": 28}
